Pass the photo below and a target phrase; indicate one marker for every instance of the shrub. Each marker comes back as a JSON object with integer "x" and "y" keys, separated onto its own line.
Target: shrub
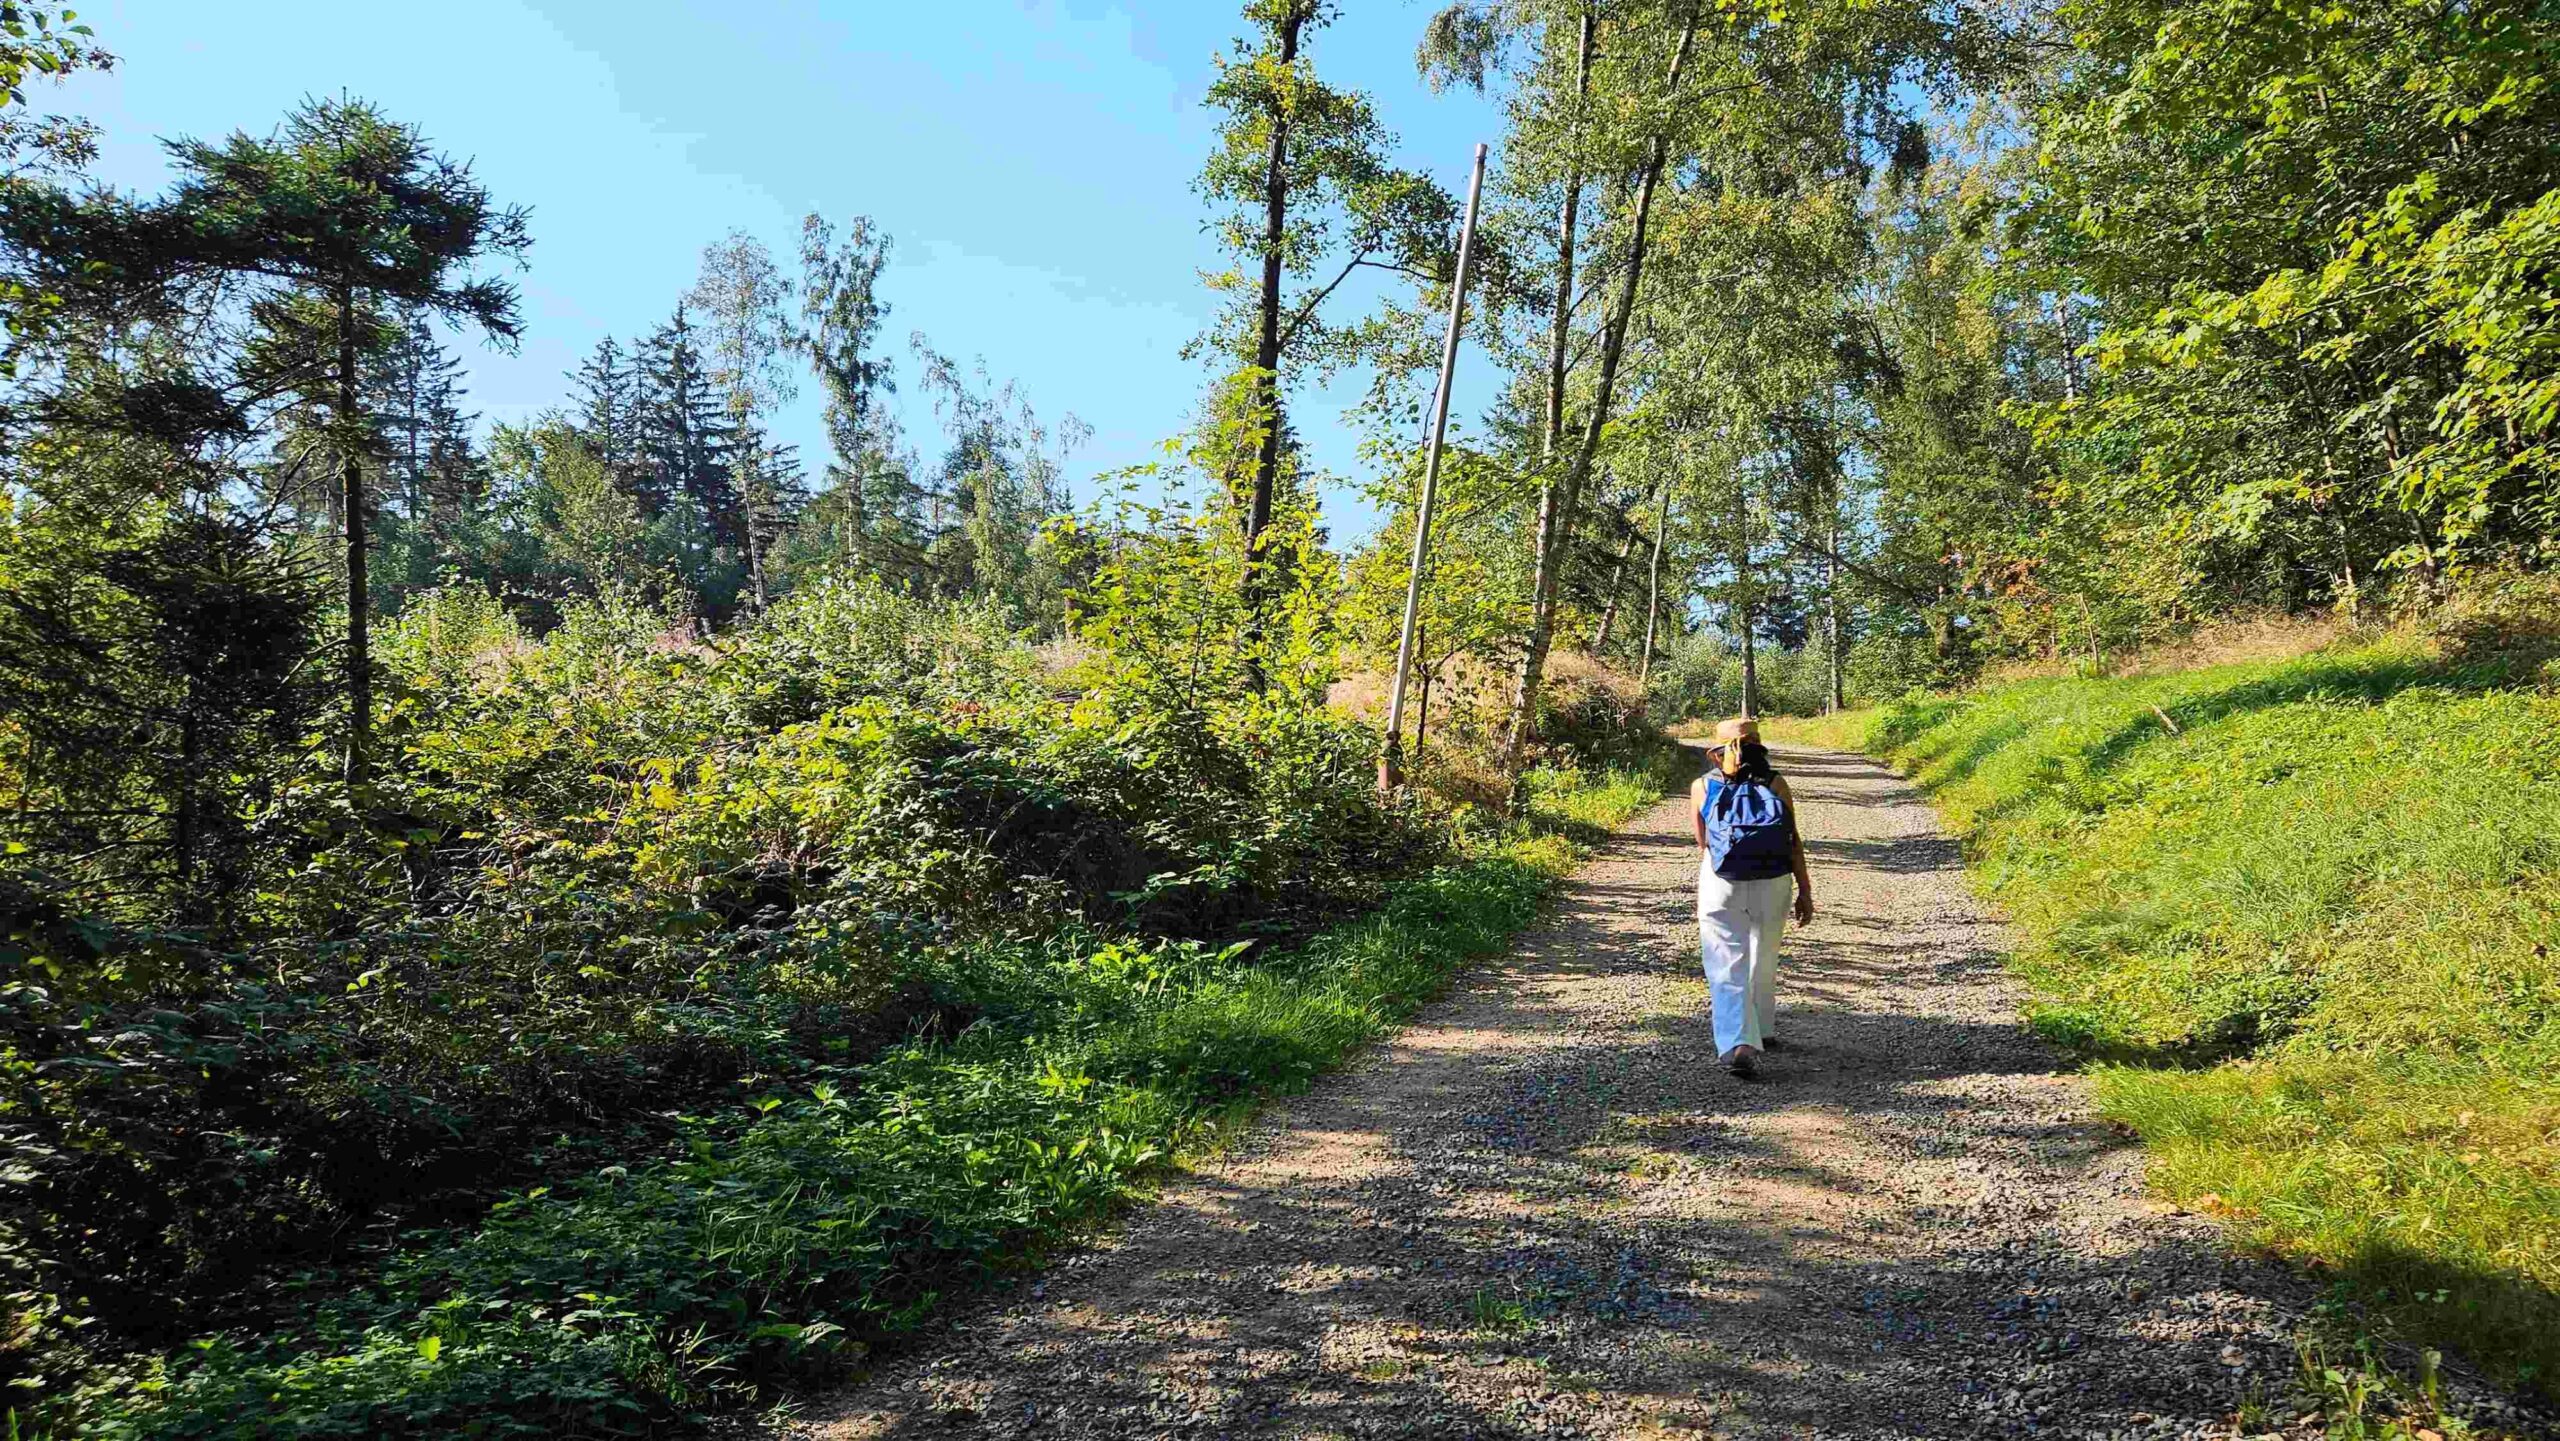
{"x": 783, "y": 1234}
{"x": 684, "y": 1015}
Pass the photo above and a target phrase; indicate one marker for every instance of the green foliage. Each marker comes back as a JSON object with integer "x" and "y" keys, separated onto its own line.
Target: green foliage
{"x": 707, "y": 1010}
{"x": 1489, "y": 1309}
{"x": 2310, "y": 932}
{"x": 38, "y": 40}
{"x": 794, "y": 1228}
{"x": 2321, "y": 233}
{"x": 1343, "y": 205}
{"x": 152, "y": 668}
{"x": 1702, "y": 676}
{"x": 41, "y": 40}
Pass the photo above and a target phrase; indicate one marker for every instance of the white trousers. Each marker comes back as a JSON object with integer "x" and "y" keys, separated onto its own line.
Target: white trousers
{"x": 1739, "y": 924}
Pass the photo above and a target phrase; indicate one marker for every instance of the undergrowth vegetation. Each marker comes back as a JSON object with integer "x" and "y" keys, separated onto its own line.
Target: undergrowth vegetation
{"x": 2302, "y": 914}
{"x": 710, "y": 1012}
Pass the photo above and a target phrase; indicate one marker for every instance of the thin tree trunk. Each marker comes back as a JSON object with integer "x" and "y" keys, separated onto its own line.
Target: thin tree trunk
{"x": 747, "y": 526}
{"x": 858, "y": 511}
{"x": 2337, "y": 517}
{"x": 2070, "y": 353}
{"x": 1613, "y": 336}
{"x": 1422, "y": 716}
{"x": 1617, "y": 579}
{"x": 1266, "y": 351}
{"x": 1409, "y": 633}
{"x": 1653, "y": 586}
{"x": 2417, "y": 533}
{"x": 1750, "y": 666}
{"x": 1838, "y": 697}
{"x": 1742, "y": 606}
{"x": 1568, "y": 229}
{"x": 417, "y": 484}
{"x": 359, "y": 659}
{"x": 2426, "y": 552}
{"x": 1554, "y": 517}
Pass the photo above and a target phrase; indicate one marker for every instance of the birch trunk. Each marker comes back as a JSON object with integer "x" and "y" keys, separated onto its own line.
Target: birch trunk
{"x": 1617, "y": 580}
{"x": 1837, "y": 699}
{"x": 1653, "y": 587}
{"x": 1742, "y": 606}
{"x": 1613, "y": 336}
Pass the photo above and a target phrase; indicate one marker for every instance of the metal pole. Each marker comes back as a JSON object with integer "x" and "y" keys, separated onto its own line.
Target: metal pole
{"x": 1387, "y": 777}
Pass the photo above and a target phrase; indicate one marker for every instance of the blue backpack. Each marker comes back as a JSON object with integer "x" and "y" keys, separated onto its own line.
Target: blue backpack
{"x": 1749, "y": 835}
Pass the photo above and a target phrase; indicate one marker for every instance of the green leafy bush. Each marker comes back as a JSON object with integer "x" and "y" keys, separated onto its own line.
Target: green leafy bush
{"x": 699, "y": 1014}
{"x": 795, "y": 1230}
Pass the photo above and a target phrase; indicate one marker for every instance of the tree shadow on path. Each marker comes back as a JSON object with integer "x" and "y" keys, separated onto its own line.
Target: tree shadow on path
{"x": 1545, "y": 1211}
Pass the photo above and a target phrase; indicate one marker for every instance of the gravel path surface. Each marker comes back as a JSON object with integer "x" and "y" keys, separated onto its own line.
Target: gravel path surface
{"x": 1543, "y": 1211}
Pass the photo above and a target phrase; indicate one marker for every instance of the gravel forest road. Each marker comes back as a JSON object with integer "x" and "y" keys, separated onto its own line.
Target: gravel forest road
{"x": 1542, "y": 1210}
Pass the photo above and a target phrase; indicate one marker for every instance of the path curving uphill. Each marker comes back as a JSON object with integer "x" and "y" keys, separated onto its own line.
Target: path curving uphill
{"x": 1543, "y": 1211}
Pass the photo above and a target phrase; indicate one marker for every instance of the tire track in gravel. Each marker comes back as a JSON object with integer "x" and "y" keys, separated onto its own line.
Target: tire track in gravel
{"x": 1542, "y": 1210}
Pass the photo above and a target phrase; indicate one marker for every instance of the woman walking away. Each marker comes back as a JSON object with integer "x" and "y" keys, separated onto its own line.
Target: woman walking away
{"x": 1750, "y": 871}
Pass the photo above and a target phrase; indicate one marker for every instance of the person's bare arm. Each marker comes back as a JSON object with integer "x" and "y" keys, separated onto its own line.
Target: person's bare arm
{"x": 1698, "y": 811}
{"x": 1795, "y": 848}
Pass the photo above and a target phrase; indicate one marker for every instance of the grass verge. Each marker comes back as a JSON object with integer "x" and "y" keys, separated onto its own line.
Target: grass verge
{"x": 2301, "y": 916}
{"x": 783, "y": 1244}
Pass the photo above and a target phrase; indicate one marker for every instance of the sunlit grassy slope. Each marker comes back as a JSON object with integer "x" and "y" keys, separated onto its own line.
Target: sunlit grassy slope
{"x": 2300, "y": 914}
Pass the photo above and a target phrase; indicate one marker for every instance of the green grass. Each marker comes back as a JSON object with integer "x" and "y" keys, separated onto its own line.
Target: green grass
{"x": 782, "y": 1244}
{"x": 1500, "y": 1312}
{"x": 2306, "y": 938}
{"x": 1587, "y": 806}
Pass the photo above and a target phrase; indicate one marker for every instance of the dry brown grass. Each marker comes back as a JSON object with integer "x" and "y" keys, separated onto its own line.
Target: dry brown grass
{"x": 1569, "y": 668}
{"x": 1469, "y": 705}
{"x": 2266, "y": 636}
{"x": 2505, "y": 615}
{"x": 2243, "y": 639}
{"x": 1061, "y": 656}
{"x": 1468, "y": 694}
{"x": 1473, "y": 688}
{"x": 2510, "y": 614}
{"x": 1361, "y": 694}
{"x": 682, "y": 638}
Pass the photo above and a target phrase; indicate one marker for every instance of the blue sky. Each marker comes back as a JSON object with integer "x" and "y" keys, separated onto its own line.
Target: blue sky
{"x": 1032, "y": 160}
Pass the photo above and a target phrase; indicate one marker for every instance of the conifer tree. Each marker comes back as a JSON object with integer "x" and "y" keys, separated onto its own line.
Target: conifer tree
{"x": 413, "y": 390}
{"x": 773, "y": 491}
{"x": 319, "y": 229}
{"x": 608, "y": 386}
{"x": 682, "y": 439}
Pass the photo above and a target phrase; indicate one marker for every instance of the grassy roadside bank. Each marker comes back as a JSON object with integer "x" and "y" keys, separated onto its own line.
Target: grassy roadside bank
{"x": 2301, "y": 916}
{"x": 781, "y": 1243}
